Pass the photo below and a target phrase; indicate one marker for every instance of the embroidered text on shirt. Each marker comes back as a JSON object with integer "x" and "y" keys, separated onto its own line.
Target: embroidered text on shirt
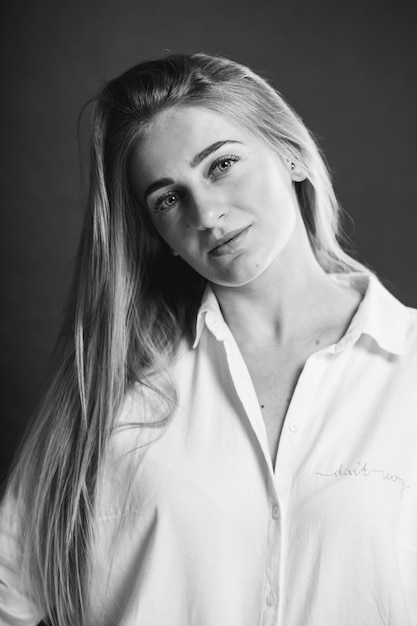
{"x": 362, "y": 469}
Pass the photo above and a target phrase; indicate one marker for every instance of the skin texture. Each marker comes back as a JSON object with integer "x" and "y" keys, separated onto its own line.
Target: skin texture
{"x": 238, "y": 186}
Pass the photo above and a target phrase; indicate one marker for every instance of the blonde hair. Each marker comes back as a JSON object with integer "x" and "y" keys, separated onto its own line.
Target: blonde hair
{"x": 132, "y": 303}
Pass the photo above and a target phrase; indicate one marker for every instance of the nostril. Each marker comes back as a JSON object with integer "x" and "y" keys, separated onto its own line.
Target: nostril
{"x": 209, "y": 218}
{"x": 206, "y": 207}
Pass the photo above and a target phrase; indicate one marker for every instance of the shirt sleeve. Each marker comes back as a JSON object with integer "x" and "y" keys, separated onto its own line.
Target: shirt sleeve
{"x": 16, "y": 607}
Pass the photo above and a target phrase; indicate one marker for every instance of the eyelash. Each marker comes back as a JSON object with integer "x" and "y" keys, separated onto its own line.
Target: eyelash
{"x": 158, "y": 208}
{"x": 223, "y": 159}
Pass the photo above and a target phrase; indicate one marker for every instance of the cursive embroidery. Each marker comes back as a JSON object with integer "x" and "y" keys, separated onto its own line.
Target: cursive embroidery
{"x": 362, "y": 469}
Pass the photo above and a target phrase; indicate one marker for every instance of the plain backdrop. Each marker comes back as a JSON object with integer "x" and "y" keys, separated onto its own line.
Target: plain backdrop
{"x": 349, "y": 69}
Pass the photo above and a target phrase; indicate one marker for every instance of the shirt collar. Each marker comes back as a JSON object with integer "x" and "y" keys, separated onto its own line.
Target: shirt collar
{"x": 209, "y": 314}
{"x": 380, "y": 315}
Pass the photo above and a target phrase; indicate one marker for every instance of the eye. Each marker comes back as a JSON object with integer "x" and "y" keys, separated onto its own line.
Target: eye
{"x": 166, "y": 201}
{"x": 222, "y": 165}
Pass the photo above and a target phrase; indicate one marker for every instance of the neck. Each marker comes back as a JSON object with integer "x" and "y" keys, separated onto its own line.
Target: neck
{"x": 292, "y": 298}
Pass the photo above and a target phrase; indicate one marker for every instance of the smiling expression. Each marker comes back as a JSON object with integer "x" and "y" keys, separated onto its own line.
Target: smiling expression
{"x": 218, "y": 196}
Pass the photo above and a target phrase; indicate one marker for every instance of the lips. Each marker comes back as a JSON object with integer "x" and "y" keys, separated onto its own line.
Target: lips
{"x": 228, "y": 242}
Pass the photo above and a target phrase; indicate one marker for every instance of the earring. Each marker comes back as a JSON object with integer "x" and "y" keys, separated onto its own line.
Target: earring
{"x": 292, "y": 166}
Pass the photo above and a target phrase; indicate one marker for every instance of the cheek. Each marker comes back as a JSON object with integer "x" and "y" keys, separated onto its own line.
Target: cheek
{"x": 266, "y": 189}
{"x": 281, "y": 203}
{"x": 177, "y": 236}
{"x": 277, "y": 215}
{"x": 165, "y": 229}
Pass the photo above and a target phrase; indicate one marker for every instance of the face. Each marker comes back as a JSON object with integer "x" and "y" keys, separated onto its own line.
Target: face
{"x": 219, "y": 197}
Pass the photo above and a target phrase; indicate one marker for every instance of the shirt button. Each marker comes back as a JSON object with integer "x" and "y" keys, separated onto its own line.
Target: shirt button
{"x": 275, "y": 511}
{"x": 271, "y": 599}
{"x": 295, "y": 427}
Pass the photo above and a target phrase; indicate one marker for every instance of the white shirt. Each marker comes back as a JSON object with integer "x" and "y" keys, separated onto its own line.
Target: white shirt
{"x": 213, "y": 535}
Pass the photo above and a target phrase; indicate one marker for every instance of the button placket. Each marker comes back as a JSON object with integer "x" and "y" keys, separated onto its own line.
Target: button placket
{"x": 298, "y": 412}
{"x": 246, "y": 392}
{"x": 273, "y": 559}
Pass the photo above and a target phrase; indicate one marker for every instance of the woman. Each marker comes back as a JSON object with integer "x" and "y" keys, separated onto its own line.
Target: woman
{"x": 230, "y": 437}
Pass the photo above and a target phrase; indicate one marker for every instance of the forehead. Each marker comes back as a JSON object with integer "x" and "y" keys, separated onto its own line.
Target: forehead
{"x": 183, "y": 123}
{"x": 175, "y": 136}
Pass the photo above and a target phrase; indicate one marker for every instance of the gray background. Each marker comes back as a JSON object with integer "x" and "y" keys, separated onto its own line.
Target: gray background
{"x": 348, "y": 68}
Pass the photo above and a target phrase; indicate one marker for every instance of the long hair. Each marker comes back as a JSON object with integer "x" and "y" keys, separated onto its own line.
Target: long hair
{"x": 131, "y": 304}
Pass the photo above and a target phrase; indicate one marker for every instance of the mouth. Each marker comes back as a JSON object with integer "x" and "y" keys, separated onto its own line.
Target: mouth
{"x": 229, "y": 242}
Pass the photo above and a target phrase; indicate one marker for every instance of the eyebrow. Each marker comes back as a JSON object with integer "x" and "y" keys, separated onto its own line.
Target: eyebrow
{"x": 199, "y": 158}
{"x": 207, "y": 151}
{"x": 158, "y": 184}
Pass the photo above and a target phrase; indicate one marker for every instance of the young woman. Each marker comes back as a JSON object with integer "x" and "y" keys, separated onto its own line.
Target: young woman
{"x": 230, "y": 438}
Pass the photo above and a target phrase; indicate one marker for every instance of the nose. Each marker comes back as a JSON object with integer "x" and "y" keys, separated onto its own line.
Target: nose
{"x": 207, "y": 209}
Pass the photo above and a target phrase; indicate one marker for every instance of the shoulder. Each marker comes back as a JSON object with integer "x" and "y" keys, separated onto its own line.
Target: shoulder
{"x": 146, "y": 413}
{"x": 411, "y": 328}
{"x": 412, "y": 314}
{"x": 150, "y": 400}
{"x": 15, "y": 598}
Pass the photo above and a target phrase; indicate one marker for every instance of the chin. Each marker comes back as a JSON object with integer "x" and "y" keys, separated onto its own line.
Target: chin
{"x": 237, "y": 278}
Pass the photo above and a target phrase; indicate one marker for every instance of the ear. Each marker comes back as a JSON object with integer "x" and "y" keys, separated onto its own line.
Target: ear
{"x": 297, "y": 171}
